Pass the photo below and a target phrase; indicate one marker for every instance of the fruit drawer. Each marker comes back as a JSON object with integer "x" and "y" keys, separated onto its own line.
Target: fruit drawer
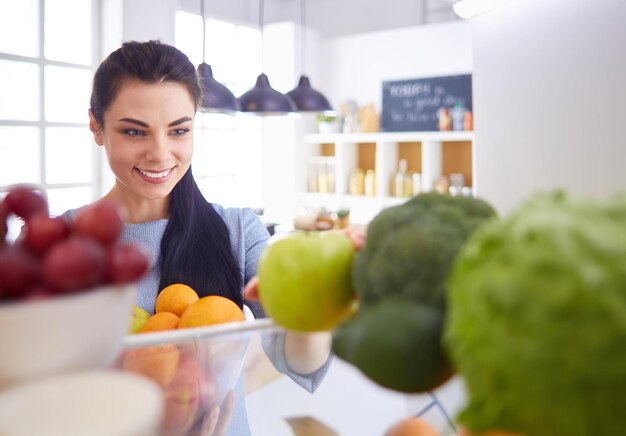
{"x": 234, "y": 378}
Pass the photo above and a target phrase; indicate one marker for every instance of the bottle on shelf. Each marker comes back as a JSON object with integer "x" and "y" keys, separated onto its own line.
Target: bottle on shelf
{"x": 326, "y": 174}
{"x": 458, "y": 116}
{"x": 469, "y": 121}
{"x": 416, "y": 183}
{"x": 442, "y": 185}
{"x": 444, "y": 122}
{"x": 457, "y": 182}
{"x": 356, "y": 182}
{"x": 402, "y": 183}
{"x": 330, "y": 171}
{"x": 370, "y": 183}
{"x": 313, "y": 173}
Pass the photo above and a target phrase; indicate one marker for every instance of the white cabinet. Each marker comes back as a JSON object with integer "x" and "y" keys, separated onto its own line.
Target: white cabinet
{"x": 432, "y": 154}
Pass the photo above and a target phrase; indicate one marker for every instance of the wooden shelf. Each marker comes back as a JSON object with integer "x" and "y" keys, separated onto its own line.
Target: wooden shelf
{"x": 432, "y": 154}
{"x": 320, "y": 138}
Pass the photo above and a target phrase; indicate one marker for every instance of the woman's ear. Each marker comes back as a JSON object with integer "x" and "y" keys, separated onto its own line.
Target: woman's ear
{"x": 95, "y": 128}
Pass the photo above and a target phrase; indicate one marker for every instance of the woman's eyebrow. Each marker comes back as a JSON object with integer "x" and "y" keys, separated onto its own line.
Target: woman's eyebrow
{"x": 134, "y": 121}
{"x": 143, "y": 124}
{"x": 179, "y": 121}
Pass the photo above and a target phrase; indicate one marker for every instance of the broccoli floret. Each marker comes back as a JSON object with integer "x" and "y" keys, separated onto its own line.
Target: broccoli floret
{"x": 410, "y": 248}
{"x": 472, "y": 207}
{"x": 412, "y": 261}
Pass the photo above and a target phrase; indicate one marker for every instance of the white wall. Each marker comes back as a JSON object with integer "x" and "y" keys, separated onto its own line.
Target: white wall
{"x": 146, "y": 19}
{"x": 550, "y": 94}
{"x": 331, "y": 18}
{"x": 354, "y": 67}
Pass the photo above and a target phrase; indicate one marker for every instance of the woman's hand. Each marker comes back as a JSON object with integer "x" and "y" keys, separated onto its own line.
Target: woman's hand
{"x": 306, "y": 352}
{"x": 251, "y": 290}
{"x": 357, "y": 237}
{"x": 216, "y": 422}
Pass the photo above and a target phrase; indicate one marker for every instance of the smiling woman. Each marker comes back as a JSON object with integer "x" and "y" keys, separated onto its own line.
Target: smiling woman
{"x": 142, "y": 107}
{"x": 142, "y": 111}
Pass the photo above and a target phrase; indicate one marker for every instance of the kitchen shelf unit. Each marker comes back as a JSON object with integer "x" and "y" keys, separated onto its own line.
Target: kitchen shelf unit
{"x": 432, "y": 154}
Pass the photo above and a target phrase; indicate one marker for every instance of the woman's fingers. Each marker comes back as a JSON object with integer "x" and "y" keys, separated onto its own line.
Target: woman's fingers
{"x": 251, "y": 290}
{"x": 225, "y": 415}
{"x": 210, "y": 422}
{"x": 357, "y": 236}
{"x": 216, "y": 422}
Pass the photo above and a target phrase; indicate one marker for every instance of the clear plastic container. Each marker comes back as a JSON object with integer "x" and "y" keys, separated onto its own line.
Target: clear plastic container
{"x": 236, "y": 375}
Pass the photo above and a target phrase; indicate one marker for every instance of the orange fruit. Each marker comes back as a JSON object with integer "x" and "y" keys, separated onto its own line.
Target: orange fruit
{"x": 160, "y": 321}
{"x": 211, "y": 310}
{"x": 158, "y": 362}
{"x": 413, "y": 426}
{"x": 175, "y": 299}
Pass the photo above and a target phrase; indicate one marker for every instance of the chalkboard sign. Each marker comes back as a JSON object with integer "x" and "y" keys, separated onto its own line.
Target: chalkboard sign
{"x": 412, "y": 105}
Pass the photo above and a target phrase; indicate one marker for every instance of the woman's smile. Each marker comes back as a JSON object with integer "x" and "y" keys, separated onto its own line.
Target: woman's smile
{"x": 152, "y": 176}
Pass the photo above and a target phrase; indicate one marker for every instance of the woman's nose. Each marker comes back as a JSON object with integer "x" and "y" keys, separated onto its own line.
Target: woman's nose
{"x": 158, "y": 149}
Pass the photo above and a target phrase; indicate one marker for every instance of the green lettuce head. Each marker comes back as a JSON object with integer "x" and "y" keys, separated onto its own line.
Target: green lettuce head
{"x": 537, "y": 319}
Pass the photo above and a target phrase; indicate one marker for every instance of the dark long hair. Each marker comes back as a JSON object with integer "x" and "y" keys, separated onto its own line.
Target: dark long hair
{"x": 195, "y": 248}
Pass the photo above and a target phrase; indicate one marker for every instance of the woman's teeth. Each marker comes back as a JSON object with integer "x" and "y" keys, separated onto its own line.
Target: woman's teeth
{"x": 154, "y": 175}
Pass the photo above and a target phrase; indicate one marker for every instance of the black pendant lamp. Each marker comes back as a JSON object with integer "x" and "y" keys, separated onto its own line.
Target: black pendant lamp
{"x": 262, "y": 99}
{"x": 215, "y": 96}
{"x": 308, "y": 99}
{"x": 265, "y": 100}
{"x": 304, "y": 96}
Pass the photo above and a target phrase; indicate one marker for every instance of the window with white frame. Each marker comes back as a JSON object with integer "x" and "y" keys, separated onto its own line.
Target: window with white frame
{"x": 46, "y": 69}
{"x": 227, "y": 149}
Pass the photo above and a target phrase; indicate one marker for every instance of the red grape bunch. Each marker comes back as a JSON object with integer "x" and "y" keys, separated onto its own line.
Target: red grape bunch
{"x": 53, "y": 256}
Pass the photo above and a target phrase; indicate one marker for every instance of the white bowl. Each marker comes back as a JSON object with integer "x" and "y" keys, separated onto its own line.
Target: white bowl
{"x": 66, "y": 333}
{"x": 95, "y": 403}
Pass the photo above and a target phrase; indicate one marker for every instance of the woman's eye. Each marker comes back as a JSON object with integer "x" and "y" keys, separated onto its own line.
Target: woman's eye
{"x": 134, "y": 132}
{"x": 179, "y": 132}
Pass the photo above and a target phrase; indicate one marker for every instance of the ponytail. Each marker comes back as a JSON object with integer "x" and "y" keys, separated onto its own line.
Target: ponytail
{"x": 196, "y": 248}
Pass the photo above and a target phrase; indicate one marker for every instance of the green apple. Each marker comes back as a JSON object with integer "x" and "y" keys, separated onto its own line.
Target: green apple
{"x": 305, "y": 280}
{"x": 139, "y": 318}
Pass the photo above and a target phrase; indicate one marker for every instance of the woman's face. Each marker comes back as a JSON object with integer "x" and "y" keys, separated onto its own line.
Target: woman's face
{"x": 148, "y": 137}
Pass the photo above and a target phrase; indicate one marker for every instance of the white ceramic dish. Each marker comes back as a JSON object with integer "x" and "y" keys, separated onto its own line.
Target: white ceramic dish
{"x": 61, "y": 334}
{"x": 94, "y": 403}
